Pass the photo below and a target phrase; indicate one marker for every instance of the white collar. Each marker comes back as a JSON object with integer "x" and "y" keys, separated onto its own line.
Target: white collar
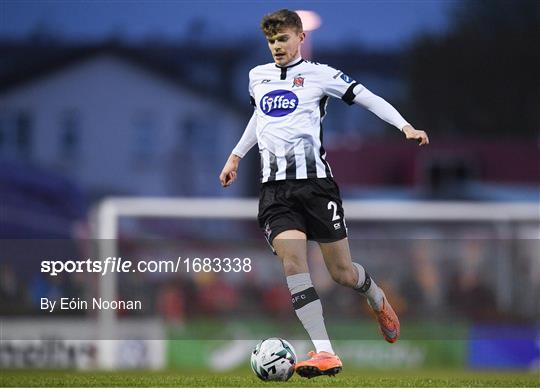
{"x": 292, "y": 63}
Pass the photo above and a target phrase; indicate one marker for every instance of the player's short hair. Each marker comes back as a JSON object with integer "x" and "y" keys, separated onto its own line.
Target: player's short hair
{"x": 274, "y": 22}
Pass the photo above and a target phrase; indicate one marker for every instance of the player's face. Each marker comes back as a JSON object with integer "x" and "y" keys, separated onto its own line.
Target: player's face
{"x": 285, "y": 45}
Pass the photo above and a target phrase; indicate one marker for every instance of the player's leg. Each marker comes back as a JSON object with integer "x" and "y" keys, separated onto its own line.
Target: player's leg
{"x": 337, "y": 257}
{"x": 325, "y": 220}
{"x": 291, "y": 247}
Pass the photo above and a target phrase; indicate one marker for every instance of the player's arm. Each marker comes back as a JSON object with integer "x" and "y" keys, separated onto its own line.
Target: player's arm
{"x": 337, "y": 84}
{"x": 388, "y": 113}
{"x": 246, "y": 142}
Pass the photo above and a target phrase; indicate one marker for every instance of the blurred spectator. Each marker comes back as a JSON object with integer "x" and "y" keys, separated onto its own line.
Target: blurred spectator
{"x": 422, "y": 287}
{"x": 467, "y": 293}
{"x": 277, "y": 300}
{"x": 216, "y": 297}
{"x": 171, "y": 303}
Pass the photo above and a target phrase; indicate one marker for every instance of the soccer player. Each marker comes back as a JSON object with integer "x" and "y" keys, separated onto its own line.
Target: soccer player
{"x": 299, "y": 199}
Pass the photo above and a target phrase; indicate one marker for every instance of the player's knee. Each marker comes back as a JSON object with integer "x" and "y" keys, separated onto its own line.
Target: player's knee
{"x": 292, "y": 268}
{"x": 343, "y": 275}
{"x": 293, "y": 263}
{"x": 340, "y": 278}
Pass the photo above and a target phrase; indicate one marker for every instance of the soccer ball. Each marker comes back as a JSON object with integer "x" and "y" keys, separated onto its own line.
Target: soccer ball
{"x": 273, "y": 359}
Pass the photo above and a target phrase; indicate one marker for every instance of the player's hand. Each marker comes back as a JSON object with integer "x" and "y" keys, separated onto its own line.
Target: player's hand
{"x": 411, "y": 133}
{"x": 228, "y": 174}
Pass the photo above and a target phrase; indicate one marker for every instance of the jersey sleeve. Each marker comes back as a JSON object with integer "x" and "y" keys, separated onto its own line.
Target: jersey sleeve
{"x": 248, "y": 139}
{"x": 379, "y": 107}
{"x": 337, "y": 84}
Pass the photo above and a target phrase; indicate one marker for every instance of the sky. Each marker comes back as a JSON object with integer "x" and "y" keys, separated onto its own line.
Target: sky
{"x": 372, "y": 23}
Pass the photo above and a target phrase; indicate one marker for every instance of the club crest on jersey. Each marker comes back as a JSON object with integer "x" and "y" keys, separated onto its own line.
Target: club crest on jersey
{"x": 298, "y": 81}
{"x": 278, "y": 103}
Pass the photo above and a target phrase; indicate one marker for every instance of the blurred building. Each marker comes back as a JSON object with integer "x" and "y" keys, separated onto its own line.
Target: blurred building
{"x": 116, "y": 122}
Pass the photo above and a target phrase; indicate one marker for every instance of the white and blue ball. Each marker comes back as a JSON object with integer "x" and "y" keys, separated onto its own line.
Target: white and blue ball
{"x": 273, "y": 359}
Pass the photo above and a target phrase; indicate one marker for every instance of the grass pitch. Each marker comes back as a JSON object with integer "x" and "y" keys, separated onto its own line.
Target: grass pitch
{"x": 363, "y": 378}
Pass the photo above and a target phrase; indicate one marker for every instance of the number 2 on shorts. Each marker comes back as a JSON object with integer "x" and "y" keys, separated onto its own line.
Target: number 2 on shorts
{"x": 332, "y": 205}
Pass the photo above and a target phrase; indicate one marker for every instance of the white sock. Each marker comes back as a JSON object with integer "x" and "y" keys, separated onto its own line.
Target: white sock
{"x": 369, "y": 288}
{"x": 308, "y": 308}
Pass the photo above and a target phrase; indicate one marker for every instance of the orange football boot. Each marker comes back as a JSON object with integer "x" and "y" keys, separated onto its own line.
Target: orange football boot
{"x": 388, "y": 321}
{"x": 322, "y": 363}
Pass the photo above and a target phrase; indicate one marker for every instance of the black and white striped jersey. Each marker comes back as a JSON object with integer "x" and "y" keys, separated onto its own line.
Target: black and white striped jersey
{"x": 290, "y": 105}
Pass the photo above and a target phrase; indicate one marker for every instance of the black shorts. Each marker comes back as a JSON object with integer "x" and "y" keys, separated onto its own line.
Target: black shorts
{"x": 311, "y": 205}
